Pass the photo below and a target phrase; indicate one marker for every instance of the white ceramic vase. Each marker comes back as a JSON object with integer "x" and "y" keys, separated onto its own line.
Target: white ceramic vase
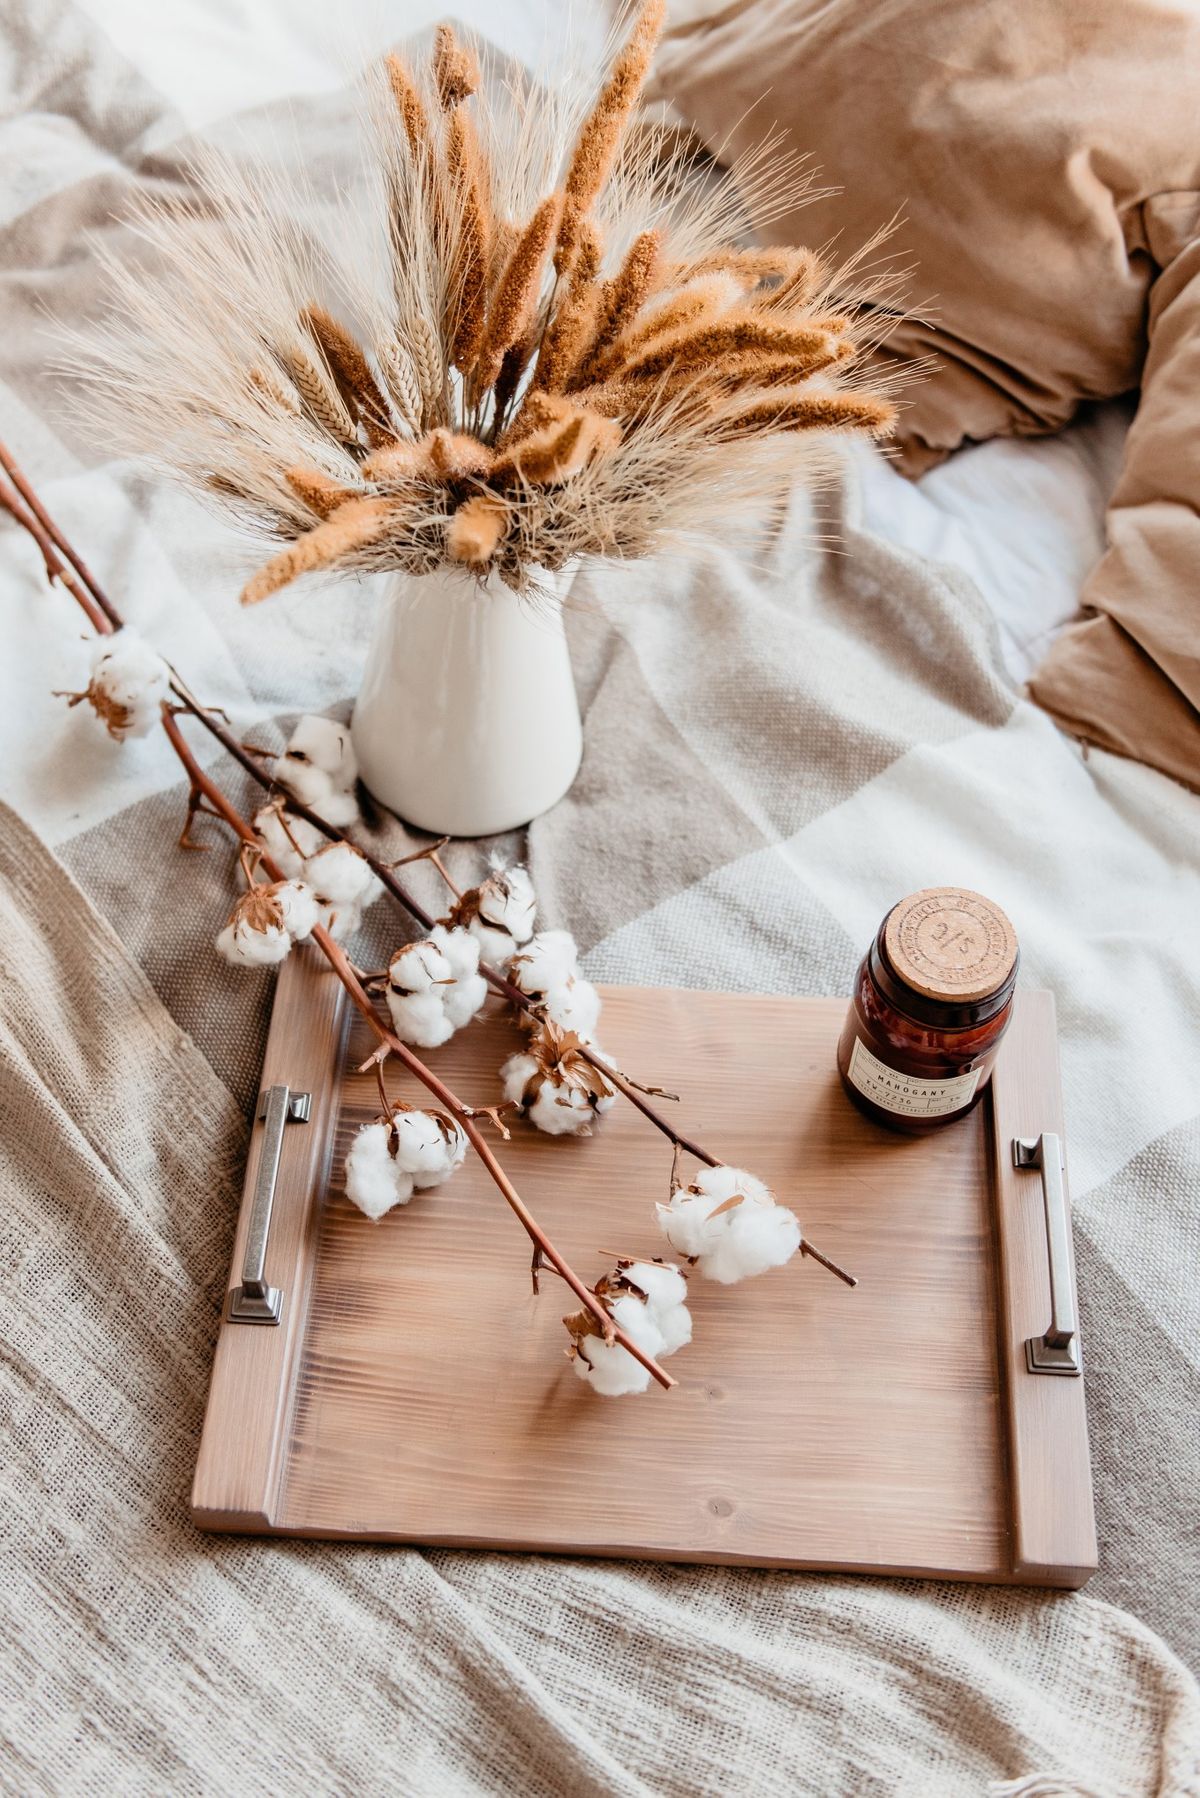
{"x": 468, "y": 723}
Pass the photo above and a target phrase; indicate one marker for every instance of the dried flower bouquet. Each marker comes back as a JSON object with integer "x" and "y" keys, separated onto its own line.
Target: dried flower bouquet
{"x": 307, "y": 883}
{"x": 552, "y": 346}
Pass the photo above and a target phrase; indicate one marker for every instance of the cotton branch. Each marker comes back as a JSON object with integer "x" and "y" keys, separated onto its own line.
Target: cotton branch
{"x": 463, "y": 1114}
{"x": 104, "y": 616}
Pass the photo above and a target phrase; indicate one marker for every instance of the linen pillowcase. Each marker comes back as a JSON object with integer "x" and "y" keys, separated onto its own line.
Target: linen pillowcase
{"x": 1046, "y": 163}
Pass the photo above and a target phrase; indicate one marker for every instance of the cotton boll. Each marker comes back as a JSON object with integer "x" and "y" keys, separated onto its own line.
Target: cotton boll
{"x": 289, "y": 857}
{"x": 419, "y": 1019}
{"x": 499, "y": 913}
{"x": 418, "y": 975}
{"x": 341, "y": 875}
{"x": 661, "y": 1281}
{"x": 675, "y": 1324}
{"x": 548, "y": 959}
{"x": 515, "y": 1075}
{"x": 721, "y": 1183}
{"x": 465, "y": 1000}
{"x": 758, "y": 1238}
{"x": 128, "y": 685}
{"x": 259, "y": 930}
{"x": 574, "y": 1004}
{"x": 729, "y": 1223}
{"x": 248, "y": 948}
{"x": 323, "y": 744}
{"x": 558, "y": 1088}
{"x": 301, "y": 911}
{"x": 684, "y": 1223}
{"x": 546, "y": 970}
{"x": 342, "y": 922}
{"x": 318, "y": 768}
{"x": 459, "y": 948}
{"x": 507, "y": 902}
{"x": 666, "y": 1298}
{"x": 429, "y": 1146}
{"x": 339, "y": 809}
{"x": 374, "y": 1179}
{"x": 609, "y": 1368}
{"x": 466, "y": 997}
{"x": 344, "y": 884}
{"x": 309, "y": 785}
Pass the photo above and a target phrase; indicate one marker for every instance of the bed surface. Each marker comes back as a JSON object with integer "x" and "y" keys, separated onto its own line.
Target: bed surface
{"x": 856, "y": 729}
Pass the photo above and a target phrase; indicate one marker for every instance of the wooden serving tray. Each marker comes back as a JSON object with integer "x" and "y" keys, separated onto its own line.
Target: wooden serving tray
{"x": 415, "y": 1391}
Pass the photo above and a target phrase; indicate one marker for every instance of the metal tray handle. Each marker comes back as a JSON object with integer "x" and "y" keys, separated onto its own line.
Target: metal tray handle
{"x": 1058, "y": 1350}
{"x": 254, "y": 1302}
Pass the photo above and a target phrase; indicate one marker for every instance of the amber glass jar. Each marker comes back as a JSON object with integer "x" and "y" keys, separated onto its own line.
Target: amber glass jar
{"x": 932, "y": 998}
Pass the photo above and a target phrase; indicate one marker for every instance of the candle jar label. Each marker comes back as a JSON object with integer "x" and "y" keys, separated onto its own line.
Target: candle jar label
{"x": 908, "y": 1094}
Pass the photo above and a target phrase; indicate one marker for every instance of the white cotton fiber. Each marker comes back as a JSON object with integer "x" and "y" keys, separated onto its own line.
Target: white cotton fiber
{"x": 503, "y": 914}
{"x": 289, "y": 857}
{"x": 326, "y": 745}
{"x": 318, "y": 768}
{"x": 374, "y": 1179}
{"x": 728, "y": 1222}
{"x": 428, "y": 1147}
{"x": 418, "y": 975}
{"x": 546, "y": 960}
{"x": 666, "y": 1299}
{"x": 128, "y": 685}
{"x": 300, "y": 909}
{"x": 574, "y": 1004}
{"x": 547, "y": 970}
{"x": 465, "y": 998}
{"x": 612, "y": 1370}
{"x": 340, "y": 875}
{"x": 253, "y": 948}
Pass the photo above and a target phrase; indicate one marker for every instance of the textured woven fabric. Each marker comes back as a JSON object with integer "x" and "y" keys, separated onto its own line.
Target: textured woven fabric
{"x": 139, "y": 1656}
{"x": 778, "y": 745}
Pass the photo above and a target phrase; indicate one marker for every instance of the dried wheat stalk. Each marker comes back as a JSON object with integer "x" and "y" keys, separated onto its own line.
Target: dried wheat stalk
{"x": 541, "y": 250}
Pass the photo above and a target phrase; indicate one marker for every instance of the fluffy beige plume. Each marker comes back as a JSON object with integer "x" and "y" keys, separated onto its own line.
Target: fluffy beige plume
{"x": 512, "y": 367}
{"x": 797, "y": 409}
{"x": 474, "y": 533}
{"x": 572, "y": 326}
{"x": 396, "y": 462}
{"x": 622, "y": 297}
{"x": 603, "y": 128}
{"x": 358, "y": 522}
{"x": 560, "y": 448}
{"x": 456, "y": 456}
{"x": 410, "y": 106}
{"x": 693, "y": 347}
{"x": 515, "y": 301}
{"x": 352, "y": 372}
{"x": 773, "y": 262}
{"x": 805, "y": 278}
{"x": 317, "y": 490}
{"x": 687, "y": 307}
{"x": 455, "y": 68}
{"x": 318, "y": 394}
{"x": 469, "y": 185}
{"x": 568, "y": 336}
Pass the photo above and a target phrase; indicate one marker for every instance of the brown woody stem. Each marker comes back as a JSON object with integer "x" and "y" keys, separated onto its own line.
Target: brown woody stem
{"x": 338, "y": 961}
{"x": 104, "y": 616}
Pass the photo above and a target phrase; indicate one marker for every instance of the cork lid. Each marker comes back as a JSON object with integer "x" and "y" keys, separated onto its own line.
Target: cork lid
{"x": 950, "y": 944}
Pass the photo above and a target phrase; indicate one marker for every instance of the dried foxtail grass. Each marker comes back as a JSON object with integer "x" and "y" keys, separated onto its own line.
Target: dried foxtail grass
{"x": 547, "y": 336}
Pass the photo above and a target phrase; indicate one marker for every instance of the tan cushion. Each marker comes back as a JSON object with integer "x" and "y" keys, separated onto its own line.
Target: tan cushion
{"x": 1046, "y": 160}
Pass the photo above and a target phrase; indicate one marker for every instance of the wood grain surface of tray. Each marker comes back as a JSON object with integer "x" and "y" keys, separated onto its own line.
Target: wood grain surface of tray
{"x": 415, "y": 1390}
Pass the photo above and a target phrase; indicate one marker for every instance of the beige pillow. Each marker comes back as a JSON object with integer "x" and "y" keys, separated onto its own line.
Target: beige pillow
{"x": 1045, "y": 155}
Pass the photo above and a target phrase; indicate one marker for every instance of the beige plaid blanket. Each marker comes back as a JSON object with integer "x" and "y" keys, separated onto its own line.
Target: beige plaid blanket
{"x": 778, "y": 744}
